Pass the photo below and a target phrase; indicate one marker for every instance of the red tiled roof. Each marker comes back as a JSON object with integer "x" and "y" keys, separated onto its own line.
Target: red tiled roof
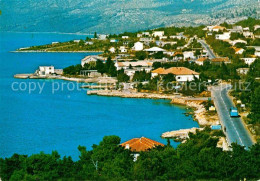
{"x": 141, "y": 144}
{"x": 202, "y": 59}
{"x": 158, "y": 71}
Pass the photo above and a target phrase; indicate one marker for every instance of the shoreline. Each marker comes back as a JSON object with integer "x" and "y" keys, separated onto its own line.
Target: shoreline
{"x": 199, "y": 111}
{"x": 39, "y": 51}
{"x": 107, "y": 80}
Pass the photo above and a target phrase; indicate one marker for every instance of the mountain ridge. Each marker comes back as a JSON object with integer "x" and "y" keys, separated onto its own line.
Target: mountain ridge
{"x": 116, "y": 16}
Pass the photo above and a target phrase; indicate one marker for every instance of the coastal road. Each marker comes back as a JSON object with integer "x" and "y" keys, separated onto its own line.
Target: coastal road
{"x": 206, "y": 46}
{"x": 235, "y": 129}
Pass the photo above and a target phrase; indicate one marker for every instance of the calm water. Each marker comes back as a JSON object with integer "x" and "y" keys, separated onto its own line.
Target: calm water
{"x": 33, "y": 122}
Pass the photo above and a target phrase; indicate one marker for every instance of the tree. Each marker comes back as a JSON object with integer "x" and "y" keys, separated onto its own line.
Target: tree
{"x": 140, "y": 55}
{"x": 255, "y": 106}
{"x": 81, "y": 43}
{"x": 95, "y": 35}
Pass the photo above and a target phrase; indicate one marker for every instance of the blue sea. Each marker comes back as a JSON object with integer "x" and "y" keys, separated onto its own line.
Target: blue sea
{"x": 32, "y": 121}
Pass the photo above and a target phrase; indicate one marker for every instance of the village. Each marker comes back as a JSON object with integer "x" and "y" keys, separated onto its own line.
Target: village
{"x": 144, "y": 64}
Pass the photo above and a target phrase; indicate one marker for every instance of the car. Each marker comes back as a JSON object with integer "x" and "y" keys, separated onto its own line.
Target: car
{"x": 234, "y": 112}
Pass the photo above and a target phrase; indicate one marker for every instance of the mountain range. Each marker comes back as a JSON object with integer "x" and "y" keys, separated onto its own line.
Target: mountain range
{"x": 115, "y": 16}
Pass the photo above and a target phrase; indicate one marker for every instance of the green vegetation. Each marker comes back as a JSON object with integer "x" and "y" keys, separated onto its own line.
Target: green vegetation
{"x": 108, "y": 67}
{"x": 198, "y": 158}
{"x": 250, "y": 22}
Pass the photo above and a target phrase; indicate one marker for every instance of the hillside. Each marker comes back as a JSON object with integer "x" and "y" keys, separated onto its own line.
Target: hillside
{"x": 115, "y": 16}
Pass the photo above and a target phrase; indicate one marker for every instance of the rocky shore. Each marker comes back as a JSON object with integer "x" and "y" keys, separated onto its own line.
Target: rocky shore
{"x": 200, "y": 113}
{"x": 129, "y": 94}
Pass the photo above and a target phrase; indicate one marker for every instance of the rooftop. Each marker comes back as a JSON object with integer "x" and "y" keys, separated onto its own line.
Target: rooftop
{"x": 202, "y": 59}
{"x": 175, "y": 71}
{"x": 140, "y": 144}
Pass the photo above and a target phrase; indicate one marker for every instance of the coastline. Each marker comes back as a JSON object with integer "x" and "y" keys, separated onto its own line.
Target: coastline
{"x": 199, "y": 112}
{"x": 39, "y": 51}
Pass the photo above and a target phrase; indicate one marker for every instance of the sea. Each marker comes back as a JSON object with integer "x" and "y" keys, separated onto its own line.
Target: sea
{"x": 46, "y": 115}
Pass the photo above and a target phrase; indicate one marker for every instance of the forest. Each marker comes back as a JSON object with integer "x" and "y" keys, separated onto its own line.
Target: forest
{"x": 197, "y": 159}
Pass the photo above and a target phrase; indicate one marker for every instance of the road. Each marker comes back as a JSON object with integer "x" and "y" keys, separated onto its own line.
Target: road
{"x": 235, "y": 129}
{"x": 206, "y": 46}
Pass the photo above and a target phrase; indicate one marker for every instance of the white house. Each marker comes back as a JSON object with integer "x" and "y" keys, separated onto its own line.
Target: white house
{"x": 76, "y": 41}
{"x": 102, "y": 37}
{"x": 112, "y": 50}
{"x": 45, "y": 70}
{"x": 125, "y": 37}
{"x": 257, "y": 53}
{"x": 146, "y": 33}
{"x": 89, "y": 43}
{"x": 130, "y": 72}
{"x": 248, "y": 61}
{"x": 238, "y": 41}
{"x": 138, "y": 46}
{"x": 113, "y": 41}
{"x": 54, "y": 43}
{"x": 91, "y": 58}
{"x": 256, "y": 27}
{"x": 224, "y": 36}
{"x": 182, "y": 74}
{"x": 123, "y": 49}
{"x": 248, "y": 34}
{"x": 158, "y": 33}
{"x": 188, "y": 54}
{"x": 242, "y": 71}
{"x": 179, "y": 37}
{"x": 139, "y": 65}
{"x": 239, "y": 51}
{"x": 155, "y": 50}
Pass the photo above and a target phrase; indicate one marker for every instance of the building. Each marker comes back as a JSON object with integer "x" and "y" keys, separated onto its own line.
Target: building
{"x": 138, "y": 145}
{"x": 123, "y": 49}
{"x": 242, "y": 71}
{"x": 201, "y": 60}
{"x": 102, "y": 37}
{"x": 257, "y": 53}
{"x": 239, "y": 51}
{"x": 113, "y": 41}
{"x": 188, "y": 55}
{"x": 256, "y": 27}
{"x": 112, "y": 50}
{"x": 54, "y": 43}
{"x": 224, "y": 36}
{"x": 155, "y": 50}
{"x": 90, "y": 58}
{"x": 218, "y": 28}
{"x": 89, "y": 43}
{"x": 139, "y": 65}
{"x": 76, "y": 41}
{"x": 248, "y": 61}
{"x": 125, "y": 37}
{"x": 238, "y": 41}
{"x": 220, "y": 60}
{"x": 90, "y": 73}
{"x": 182, "y": 74}
{"x": 138, "y": 46}
{"x": 45, "y": 70}
{"x": 236, "y": 29}
{"x": 248, "y": 34}
{"x": 158, "y": 33}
